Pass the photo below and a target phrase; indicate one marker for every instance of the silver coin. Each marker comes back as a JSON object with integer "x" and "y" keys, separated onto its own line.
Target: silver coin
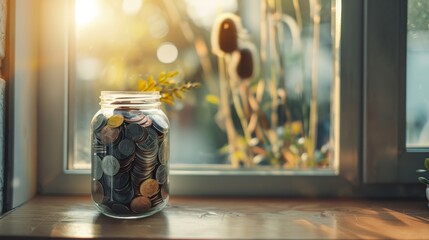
{"x": 126, "y": 147}
{"x": 161, "y": 174}
{"x": 159, "y": 123}
{"x": 97, "y": 170}
{"x": 99, "y": 122}
{"x": 135, "y": 132}
{"x": 164, "y": 152}
{"x": 110, "y": 165}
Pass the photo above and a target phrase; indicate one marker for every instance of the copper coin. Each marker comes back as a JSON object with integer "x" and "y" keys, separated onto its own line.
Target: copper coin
{"x": 147, "y": 123}
{"x": 109, "y": 135}
{"x": 149, "y": 188}
{"x": 151, "y": 142}
{"x": 97, "y": 192}
{"x": 115, "y": 121}
{"x": 157, "y": 200}
{"x": 140, "y": 204}
{"x": 134, "y": 116}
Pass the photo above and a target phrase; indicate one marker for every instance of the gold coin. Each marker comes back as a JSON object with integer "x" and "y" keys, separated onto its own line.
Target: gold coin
{"x": 115, "y": 121}
{"x": 149, "y": 188}
{"x": 140, "y": 204}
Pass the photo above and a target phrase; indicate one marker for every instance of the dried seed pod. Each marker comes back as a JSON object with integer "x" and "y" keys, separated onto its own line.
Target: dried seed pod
{"x": 224, "y": 34}
{"x": 245, "y": 63}
{"x": 245, "y": 66}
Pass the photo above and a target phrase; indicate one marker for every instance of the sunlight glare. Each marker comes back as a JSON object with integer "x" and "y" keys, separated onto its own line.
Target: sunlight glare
{"x": 203, "y": 13}
{"x": 131, "y": 7}
{"x": 85, "y": 11}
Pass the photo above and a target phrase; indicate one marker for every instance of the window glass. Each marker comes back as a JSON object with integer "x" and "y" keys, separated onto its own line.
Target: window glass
{"x": 266, "y": 96}
{"x": 417, "y": 105}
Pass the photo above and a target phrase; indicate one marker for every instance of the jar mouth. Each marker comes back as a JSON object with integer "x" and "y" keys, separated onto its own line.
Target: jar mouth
{"x": 130, "y": 99}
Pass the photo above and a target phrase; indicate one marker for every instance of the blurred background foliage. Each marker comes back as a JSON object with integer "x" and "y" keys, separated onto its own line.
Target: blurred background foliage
{"x": 117, "y": 43}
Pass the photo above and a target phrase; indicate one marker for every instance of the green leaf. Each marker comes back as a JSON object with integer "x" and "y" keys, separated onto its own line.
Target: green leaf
{"x": 427, "y": 163}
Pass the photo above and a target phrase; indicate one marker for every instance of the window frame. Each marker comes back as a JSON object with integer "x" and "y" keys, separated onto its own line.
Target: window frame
{"x": 346, "y": 182}
{"x": 21, "y": 73}
{"x": 387, "y": 159}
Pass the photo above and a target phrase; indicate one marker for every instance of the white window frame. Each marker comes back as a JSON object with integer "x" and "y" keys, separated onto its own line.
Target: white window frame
{"x": 21, "y": 103}
{"x": 346, "y": 182}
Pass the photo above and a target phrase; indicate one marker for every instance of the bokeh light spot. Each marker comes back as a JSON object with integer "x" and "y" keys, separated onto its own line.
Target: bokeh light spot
{"x": 131, "y": 7}
{"x": 167, "y": 53}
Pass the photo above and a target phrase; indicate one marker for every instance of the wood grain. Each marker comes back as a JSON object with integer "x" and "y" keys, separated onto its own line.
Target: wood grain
{"x": 224, "y": 218}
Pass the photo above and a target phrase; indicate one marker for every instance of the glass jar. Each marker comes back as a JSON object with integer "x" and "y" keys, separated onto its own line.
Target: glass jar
{"x": 130, "y": 155}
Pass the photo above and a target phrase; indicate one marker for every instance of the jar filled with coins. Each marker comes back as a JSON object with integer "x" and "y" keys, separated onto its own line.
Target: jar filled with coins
{"x": 130, "y": 155}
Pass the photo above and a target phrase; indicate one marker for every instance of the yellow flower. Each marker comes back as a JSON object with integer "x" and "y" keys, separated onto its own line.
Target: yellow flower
{"x": 166, "y": 86}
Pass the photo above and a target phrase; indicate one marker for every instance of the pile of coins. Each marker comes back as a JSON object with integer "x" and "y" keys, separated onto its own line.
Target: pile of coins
{"x": 130, "y": 156}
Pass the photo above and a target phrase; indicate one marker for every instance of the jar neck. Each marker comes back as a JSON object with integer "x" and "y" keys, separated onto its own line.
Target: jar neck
{"x": 130, "y": 99}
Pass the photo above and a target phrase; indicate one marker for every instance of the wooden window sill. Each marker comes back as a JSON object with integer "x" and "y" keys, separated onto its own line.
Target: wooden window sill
{"x": 223, "y": 218}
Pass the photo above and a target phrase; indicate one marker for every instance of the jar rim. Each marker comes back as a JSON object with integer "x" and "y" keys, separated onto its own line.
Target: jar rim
{"x": 130, "y": 99}
{"x": 150, "y": 93}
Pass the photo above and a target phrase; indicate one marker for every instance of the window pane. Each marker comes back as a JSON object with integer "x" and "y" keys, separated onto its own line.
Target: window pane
{"x": 417, "y": 74}
{"x": 266, "y": 103}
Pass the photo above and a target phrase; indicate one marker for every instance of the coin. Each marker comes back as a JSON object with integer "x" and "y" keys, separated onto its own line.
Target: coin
{"x": 159, "y": 123}
{"x": 149, "y": 188}
{"x": 98, "y": 122}
{"x": 164, "y": 153}
{"x": 135, "y": 132}
{"x": 97, "y": 171}
{"x": 140, "y": 204}
{"x": 109, "y": 135}
{"x": 151, "y": 143}
{"x": 124, "y": 111}
{"x": 124, "y": 195}
{"x": 121, "y": 181}
{"x": 120, "y": 208}
{"x": 147, "y": 122}
{"x": 97, "y": 192}
{"x": 161, "y": 174}
{"x": 126, "y": 164}
{"x": 110, "y": 165}
{"x": 118, "y": 181}
{"x": 157, "y": 199}
{"x": 114, "y": 151}
{"x": 99, "y": 149}
{"x": 164, "y": 191}
{"x": 127, "y": 147}
{"x": 134, "y": 116}
{"x": 115, "y": 121}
